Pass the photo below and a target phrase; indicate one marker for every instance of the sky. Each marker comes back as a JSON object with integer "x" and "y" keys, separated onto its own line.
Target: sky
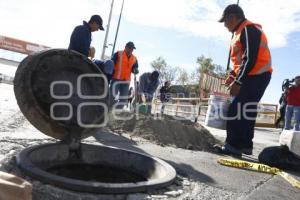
{"x": 178, "y": 30}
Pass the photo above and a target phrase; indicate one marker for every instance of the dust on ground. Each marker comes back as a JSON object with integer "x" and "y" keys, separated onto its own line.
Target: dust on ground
{"x": 183, "y": 188}
{"x": 165, "y": 130}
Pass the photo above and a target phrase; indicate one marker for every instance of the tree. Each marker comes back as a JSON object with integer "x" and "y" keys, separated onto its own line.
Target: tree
{"x": 220, "y": 71}
{"x": 206, "y": 65}
{"x": 183, "y": 77}
{"x": 167, "y": 73}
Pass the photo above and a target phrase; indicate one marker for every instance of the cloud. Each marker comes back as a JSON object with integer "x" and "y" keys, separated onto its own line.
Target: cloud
{"x": 199, "y": 17}
{"x": 278, "y": 18}
{"x": 51, "y": 22}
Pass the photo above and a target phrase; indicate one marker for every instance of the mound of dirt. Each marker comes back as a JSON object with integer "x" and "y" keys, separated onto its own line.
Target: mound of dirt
{"x": 164, "y": 131}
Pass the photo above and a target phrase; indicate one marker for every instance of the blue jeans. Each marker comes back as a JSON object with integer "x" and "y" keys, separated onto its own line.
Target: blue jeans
{"x": 119, "y": 89}
{"x": 290, "y": 111}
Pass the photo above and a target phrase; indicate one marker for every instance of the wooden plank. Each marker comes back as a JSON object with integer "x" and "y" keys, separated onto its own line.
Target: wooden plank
{"x": 266, "y": 125}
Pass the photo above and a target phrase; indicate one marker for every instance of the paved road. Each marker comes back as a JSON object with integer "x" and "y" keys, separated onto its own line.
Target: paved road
{"x": 206, "y": 178}
{"x": 215, "y": 181}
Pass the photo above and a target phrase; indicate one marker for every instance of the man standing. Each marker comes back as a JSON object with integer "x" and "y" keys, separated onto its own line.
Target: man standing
{"x": 282, "y": 108}
{"x": 125, "y": 64}
{"x": 293, "y": 106}
{"x": 81, "y": 37}
{"x": 252, "y": 70}
{"x": 164, "y": 95}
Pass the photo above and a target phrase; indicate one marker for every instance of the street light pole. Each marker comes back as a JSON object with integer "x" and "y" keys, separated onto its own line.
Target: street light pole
{"x": 107, "y": 31}
{"x": 116, "y": 36}
{"x": 228, "y": 60}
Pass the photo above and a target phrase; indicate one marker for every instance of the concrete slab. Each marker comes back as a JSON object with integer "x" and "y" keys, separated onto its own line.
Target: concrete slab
{"x": 197, "y": 165}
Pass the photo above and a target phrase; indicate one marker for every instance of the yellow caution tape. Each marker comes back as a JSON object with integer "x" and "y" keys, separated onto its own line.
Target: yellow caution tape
{"x": 261, "y": 168}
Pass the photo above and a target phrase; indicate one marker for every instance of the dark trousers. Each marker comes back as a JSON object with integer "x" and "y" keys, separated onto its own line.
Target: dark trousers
{"x": 281, "y": 117}
{"x": 119, "y": 89}
{"x": 243, "y": 111}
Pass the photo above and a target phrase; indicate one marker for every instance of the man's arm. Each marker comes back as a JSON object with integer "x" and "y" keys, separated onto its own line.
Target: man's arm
{"x": 115, "y": 57}
{"x": 135, "y": 68}
{"x": 250, "y": 39}
{"x": 80, "y": 40}
{"x": 156, "y": 85}
{"x": 142, "y": 82}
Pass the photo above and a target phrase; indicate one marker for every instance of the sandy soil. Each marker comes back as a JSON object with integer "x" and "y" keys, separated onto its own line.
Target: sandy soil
{"x": 165, "y": 130}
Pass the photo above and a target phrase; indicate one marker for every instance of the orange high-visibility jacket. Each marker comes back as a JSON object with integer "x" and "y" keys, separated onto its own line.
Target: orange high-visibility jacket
{"x": 263, "y": 61}
{"x": 123, "y": 66}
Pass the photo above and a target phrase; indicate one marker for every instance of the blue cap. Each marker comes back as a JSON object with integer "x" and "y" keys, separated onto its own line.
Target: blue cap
{"x": 130, "y": 45}
{"x": 231, "y": 9}
{"x": 98, "y": 20}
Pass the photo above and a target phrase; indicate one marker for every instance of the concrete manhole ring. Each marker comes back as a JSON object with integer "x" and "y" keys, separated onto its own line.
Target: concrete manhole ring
{"x": 152, "y": 173}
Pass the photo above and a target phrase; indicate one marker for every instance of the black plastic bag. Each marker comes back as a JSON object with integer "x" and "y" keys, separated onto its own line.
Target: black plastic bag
{"x": 280, "y": 157}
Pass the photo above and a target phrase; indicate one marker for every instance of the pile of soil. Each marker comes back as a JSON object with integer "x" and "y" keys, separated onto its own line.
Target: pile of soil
{"x": 166, "y": 130}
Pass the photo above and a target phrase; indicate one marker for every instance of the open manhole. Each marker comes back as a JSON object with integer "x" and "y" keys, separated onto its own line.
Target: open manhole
{"x": 69, "y": 163}
{"x": 96, "y": 173}
{"x": 97, "y": 169}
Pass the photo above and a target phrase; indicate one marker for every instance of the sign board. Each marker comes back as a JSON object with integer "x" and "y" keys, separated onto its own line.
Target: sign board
{"x": 211, "y": 84}
{"x": 20, "y": 46}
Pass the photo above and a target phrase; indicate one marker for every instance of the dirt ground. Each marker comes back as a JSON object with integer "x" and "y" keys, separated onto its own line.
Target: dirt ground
{"x": 165, "y": 130}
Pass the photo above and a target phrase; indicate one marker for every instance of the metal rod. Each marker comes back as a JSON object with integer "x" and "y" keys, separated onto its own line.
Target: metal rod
{"x": 107, "y": 31}
{"x": 116, "y": 36}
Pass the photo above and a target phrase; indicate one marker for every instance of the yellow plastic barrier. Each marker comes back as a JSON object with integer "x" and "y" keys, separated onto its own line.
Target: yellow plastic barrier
{"x": 261, "y": 168}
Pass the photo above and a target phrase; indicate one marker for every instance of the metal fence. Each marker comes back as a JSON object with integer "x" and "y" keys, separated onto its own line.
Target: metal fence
{"x": 196, "y": 108}
{"x": 6, "y": 79}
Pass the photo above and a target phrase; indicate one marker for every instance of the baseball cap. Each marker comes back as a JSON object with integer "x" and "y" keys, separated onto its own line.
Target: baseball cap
{"x": 231, "y": 9}
{"x": 130, "y": 45}
{"x": 98, "y": 20}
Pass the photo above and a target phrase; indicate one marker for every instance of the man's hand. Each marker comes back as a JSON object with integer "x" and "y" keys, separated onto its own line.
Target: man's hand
{"x": 92, "y": 52}
{"x": 234, "y": 89}
{"x": 228, "y": 81}
{"x": 143, "y": 98}
{"x": 230, "y": 78}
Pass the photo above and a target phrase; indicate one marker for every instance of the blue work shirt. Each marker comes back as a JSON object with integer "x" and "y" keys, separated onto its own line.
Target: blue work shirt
{"x": 81, "y": 39}
{"x": 148, "y": 86}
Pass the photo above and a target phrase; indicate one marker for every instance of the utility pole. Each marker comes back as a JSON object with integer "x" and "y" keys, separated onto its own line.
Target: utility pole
{"x": 107, "y": 31}
{"x": 228, "y": 60}
{"x": 116, "y": 36}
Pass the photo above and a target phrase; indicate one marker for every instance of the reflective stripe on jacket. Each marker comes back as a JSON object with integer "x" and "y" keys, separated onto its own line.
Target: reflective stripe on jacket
{"x": 123, "y": 66}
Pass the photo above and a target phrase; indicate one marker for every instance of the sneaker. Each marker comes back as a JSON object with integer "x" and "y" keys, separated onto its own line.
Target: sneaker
{"x": 227, "y": 149}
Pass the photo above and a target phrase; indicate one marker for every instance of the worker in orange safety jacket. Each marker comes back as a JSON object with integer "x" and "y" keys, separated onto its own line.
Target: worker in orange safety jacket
{"x": 125, "y": 64}
{"x": 251, "y": 74}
